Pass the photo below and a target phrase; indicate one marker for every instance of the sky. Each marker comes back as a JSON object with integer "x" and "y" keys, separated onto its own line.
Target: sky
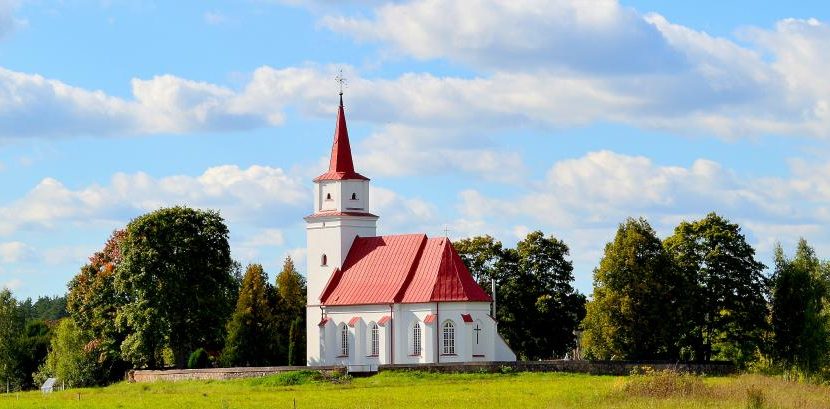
{"x": 477, "y": 117}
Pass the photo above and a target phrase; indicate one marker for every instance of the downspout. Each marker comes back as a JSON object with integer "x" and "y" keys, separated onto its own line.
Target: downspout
{"x": 391, "y": 336}
{"x": 437, "y": 326}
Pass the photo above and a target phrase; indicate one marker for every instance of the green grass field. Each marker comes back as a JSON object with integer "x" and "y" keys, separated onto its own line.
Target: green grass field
{"x": 420, "y": 390}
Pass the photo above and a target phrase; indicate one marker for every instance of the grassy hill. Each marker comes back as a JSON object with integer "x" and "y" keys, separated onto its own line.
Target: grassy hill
{"x": 421, "y": 390}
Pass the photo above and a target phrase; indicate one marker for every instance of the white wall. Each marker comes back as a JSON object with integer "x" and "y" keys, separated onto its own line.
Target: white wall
{"x": 398, "y": 333}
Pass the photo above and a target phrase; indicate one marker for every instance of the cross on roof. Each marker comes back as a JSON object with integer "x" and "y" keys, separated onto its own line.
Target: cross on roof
{"x": 341, "y": 81}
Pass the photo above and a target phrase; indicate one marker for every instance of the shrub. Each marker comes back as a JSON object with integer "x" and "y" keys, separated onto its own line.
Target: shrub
{"x": 198, "y": 359}
{"x": 648, "y": 382}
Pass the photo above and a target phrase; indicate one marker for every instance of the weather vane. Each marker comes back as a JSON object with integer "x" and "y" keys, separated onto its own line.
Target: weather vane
{"x": 341, "y": 81}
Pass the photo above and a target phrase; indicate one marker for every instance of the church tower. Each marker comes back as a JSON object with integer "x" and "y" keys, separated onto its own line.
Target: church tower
{"x": 341, "y": 213}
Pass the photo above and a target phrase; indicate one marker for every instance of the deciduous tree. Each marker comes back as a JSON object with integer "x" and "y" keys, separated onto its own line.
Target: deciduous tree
{"x": 634, "y": 312}
{"x": 729, "y": 315}
{"x": 176, "y": 274}
{"x": 799, "y": 321}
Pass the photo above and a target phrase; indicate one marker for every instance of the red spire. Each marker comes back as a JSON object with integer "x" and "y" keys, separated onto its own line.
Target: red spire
{"x": 341, "y": 165}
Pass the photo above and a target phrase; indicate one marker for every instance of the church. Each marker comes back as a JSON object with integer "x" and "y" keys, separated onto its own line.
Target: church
{"x": 398, "y": 299}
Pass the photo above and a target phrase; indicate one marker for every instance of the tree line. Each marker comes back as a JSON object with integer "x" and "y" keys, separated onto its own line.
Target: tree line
{"x": 163, "y": 292}
{"x": 697, "y": 295}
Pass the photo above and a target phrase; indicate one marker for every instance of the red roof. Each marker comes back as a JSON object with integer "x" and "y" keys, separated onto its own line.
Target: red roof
{"x": 340, "y": 165}
{"x": 383, "y": 320}
{"x": 429, "y": 319}
{"x": 354, "y": 320}
{"x": 324, "y": 321}
{"x": 401, "y": 269}
{"x": 467, "y": 317}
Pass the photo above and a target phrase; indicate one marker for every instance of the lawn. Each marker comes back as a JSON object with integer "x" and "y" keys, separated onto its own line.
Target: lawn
{"x": 420, "y": 390}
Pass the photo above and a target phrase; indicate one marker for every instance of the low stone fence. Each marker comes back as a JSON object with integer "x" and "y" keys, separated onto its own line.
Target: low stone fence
{"x": 589, "y": 367}
{"x": 221, "y": 373}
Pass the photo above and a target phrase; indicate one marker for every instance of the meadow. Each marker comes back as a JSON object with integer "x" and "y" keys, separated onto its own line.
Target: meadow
{"x": 423, "y": 390}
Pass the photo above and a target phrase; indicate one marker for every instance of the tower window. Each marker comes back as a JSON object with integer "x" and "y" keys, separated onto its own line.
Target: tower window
{"x": 328, "y": 196}
{"x": 324, "y": 261}
{"x": 354, "y": 196}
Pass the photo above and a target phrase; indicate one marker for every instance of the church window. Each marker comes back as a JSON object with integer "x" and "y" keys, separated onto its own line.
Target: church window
{"x": 416, "y": 339}
{"x": 344, "y": 340}
{"x": 449, "y": 338}
{"x": 324, "y": 261}
{"x": 354, "y": 196}
{"x": 328, "y": 196}
{"x": 374, "y": 340}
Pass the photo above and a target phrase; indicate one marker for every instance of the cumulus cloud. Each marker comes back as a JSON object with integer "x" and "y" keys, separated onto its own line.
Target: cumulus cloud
{"x": 574, "y": 62}
{"x": 255, "y": 193}
{"x": 15, "y": 251}
{"x": 595, "y": 36}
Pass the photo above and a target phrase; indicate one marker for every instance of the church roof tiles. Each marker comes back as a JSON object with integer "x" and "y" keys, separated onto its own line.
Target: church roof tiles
{"x": 407, "y": 268}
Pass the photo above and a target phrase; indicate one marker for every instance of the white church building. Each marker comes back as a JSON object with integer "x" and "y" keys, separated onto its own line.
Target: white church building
{"x": 398, "y": 299}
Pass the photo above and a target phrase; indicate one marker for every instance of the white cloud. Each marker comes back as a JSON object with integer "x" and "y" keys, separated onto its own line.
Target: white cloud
{"x": 13, "y": 284}
{"x": 215, "y": 18}
{"x": 15, "y": 251}
{"x": 255, "y": 193}
{"x": 595, "y": 35}
{"x": 7, "y": 20}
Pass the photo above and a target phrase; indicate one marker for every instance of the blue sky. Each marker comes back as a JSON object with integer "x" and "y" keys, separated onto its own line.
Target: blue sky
{"x": 485, "y": 116}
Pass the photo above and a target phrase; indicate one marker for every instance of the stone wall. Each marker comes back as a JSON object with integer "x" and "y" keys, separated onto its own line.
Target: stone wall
{"x": 589, "y": 367}
{"x": 220, "y": 373}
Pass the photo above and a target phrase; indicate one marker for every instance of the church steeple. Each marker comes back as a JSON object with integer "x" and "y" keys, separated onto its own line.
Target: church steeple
{"x": 341, "y": 166}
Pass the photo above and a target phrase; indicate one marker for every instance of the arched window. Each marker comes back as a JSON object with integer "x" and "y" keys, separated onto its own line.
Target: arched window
{"x": 354, "y": 196}
{"x": 328, "y": 196}
{"x": 344, "y": 340}
{"x": 448, "y": 338}
{"x": 374, "y": 339}
{"x": 416, "y": 338}
{"x": 324, "y": 261}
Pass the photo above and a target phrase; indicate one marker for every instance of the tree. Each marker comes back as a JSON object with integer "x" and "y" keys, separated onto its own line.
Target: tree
{"x": 71, "y": 358}
{"x": 33, "y": 347}
{"x": 634, "y": 312}
{"x": 290, "y": 311}
{"x": 534, "y": 281}
{"x": 799, "y": 322}
{"x": 11, "y": 325}
{"x": 483, "y": 256}
{"x": 93, "y": 303}
{"x": 176, "y": 275}
{"x": 252, "y": 332}
{"x": 729, "y": 312}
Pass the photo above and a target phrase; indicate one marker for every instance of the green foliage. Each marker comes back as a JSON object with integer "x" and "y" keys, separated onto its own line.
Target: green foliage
{"x": 45, "y": 308}
{"x": 633, "y": 314}
{"x": 798, "y": 318}
{"x": 253, "y": 338}
{"x": 198, "y": 359}
{"x": 176, "y": 274}
{"x": 93, "y": 302}
{"x": 290, "y": 316}
{"x": 72, "y": 357}
{"x": 296, "y": 344}
{"x": 727, "y": 311}
{"x": 11, "y": 325}
{"x": 535, "y": 280}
